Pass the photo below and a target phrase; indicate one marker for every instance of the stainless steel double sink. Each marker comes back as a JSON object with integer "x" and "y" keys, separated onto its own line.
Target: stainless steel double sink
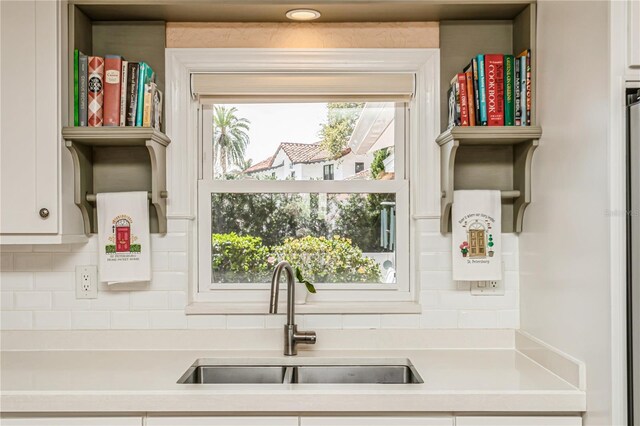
{"x": 343, "y": 372}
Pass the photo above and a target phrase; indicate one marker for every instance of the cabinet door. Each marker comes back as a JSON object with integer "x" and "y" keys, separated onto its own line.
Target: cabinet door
{"x": 519, "y": 421}
{"x": 633, "y": 33}
{"x": 222, "y": 421}
{"x": 376, "y": 421}
{"x": 73, "y": 421}
{"x": 29, "y": 136}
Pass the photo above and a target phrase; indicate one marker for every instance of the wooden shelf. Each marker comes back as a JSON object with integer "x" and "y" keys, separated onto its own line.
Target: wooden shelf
{"x": 488, "y": 158}
{"x": 118, "y": 159}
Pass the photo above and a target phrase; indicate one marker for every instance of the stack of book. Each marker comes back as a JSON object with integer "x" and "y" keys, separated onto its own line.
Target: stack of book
{"x": 110, "y": 91}
{"x": 493, "y": 90}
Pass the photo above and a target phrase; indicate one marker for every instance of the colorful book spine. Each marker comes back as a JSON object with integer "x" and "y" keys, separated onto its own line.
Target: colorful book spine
{"x": 523, "y": 89}
{"x": 494, "y": 75}
{"x": 157, "y": 110}
{"x": 147, "y": 111}
{"x": 456, "y": 100}
{"x": 482, "y": 93}
{"x": 468, "y": 73}
{"x": 528, "y": 86}
{"x": 145, "y": 77}
{"x": 112, "y": 68}
{"x": 509, "y": 88}
{"x": 476, "y": 99}
{"x": 516, "y": 90}
{"x": 123, "y": 94}
{"x": 83, "y": 75}
{"x": 132, "y": 92}
{"x": 464, "y": 102}
{"x": 451, "y": 96}
{"x": 95, "y": 92}
{"x": 76, "y": 111}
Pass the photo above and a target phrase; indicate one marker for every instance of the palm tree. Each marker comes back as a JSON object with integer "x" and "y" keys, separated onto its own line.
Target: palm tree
{"x": 230, "y": 138}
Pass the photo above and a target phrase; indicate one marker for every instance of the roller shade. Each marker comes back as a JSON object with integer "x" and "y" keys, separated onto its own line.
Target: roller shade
{"x": 299, "y": 87}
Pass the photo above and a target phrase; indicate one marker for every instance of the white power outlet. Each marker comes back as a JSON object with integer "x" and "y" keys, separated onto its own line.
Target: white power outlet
{"x": 87, "y": 282}
{"x": 487, "y": 288}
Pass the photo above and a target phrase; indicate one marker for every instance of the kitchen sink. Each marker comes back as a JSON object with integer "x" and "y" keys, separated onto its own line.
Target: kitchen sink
{"x": 380, "y": 372}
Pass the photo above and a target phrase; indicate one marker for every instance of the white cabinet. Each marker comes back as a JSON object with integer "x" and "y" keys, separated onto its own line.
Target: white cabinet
{"x": 633, "y": 33}
{"x": 519, "y": 421}
{"x": 72, "y": 421}
{"x": 376, "y": 421}
{"x": 222, "y": 421}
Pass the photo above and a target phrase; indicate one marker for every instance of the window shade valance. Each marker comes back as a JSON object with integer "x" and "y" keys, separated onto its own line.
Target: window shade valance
{"x": 299, "y": 87}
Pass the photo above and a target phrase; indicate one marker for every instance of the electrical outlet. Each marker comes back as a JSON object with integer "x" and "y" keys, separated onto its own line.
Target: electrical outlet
{"x": 487, "y": 288}
{"x": 87, "y": 282}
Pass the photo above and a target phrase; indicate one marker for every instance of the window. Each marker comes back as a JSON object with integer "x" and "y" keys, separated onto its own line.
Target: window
{"x": 266, "y": 193}
{"x": 328, "y": 172}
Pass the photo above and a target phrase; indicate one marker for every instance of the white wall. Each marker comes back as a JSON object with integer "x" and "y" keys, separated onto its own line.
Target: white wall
{"x": 564, "y": 249}
{"x": 37, "y": 292}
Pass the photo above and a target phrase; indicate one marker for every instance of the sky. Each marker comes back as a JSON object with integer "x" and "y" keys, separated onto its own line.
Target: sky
{"x": 274, "y": 123}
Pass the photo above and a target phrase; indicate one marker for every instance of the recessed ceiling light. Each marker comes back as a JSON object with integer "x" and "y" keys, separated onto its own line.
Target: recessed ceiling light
{"x": 303, "y": 14}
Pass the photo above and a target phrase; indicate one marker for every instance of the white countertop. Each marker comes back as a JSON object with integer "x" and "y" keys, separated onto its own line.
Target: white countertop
{"x": 460, "y": 380}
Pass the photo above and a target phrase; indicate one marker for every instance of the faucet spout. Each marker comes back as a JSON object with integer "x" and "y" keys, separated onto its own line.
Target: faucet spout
{"x": 291, "y": 334}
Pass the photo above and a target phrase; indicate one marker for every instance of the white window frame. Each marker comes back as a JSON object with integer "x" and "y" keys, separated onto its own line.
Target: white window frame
{"x": 423, "y": 165}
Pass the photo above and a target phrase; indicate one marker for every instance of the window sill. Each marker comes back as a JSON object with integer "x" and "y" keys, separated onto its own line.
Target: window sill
{"x": 209, "y": 308}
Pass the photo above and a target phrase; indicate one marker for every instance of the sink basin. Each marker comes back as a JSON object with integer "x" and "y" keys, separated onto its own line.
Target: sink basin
{"x": 380, "y": 372}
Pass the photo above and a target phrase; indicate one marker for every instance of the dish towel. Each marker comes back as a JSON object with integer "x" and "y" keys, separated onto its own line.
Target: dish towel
{"x": 476, "y": 225}
{"x": 123, "y": 237}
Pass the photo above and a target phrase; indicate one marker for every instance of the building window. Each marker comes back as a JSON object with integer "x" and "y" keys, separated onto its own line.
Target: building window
{"x": 328, "y": 172}
{"x": 359, "y": 167}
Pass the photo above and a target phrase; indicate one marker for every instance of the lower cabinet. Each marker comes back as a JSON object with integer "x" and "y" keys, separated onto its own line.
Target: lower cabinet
{"x": 72, "y": 421}
{"x": 222, "y": 421}
{"x": 376, "y": 421}
{"x": 519, "y": 421}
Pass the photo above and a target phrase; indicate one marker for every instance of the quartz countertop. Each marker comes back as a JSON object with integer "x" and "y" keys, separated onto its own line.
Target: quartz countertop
{"x": 123, "y": 381}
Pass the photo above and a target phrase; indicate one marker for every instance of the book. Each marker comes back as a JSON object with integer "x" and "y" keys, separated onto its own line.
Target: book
{"x": 468, "y": 73}
{"x": 145, "y": 76}
{"x": 111, "y": 108}
{"x": 123, "y": 94}
{"x": 464, "y": 102}
{"x": 509, "y": 88}
{"x": 516, "y": 93}
{"x": 494, "y": 82}
{"x": 83, "y": 70}
{"x": 523, "y": 89}
{"x": 527, "y": 54}
{"x": 482, "y": 93}
{"x": 132, "y": 93}
{"x": 452, "y": 107}
{"x": 157, "y": 110}
{"x": 147, "y": 110}
{"x": 456, "y": 100}
{"x": 95, "y": 91}
{"x": 76, "y": 115}
{"x": 474, "y": 68}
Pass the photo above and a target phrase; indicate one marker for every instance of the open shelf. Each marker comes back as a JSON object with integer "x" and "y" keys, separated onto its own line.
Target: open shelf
{"x": 496, "y": 158}
{"x": 118, "y": 159}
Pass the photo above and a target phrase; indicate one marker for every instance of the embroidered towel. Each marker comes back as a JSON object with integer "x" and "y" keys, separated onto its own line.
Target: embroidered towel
{"x": 123, "y": 237}
{"x": 476, "y": 225}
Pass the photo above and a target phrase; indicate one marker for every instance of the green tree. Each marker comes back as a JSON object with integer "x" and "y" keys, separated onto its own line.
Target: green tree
{"x": 230, "y": 138}
{"x": 358, "y": 219}
{"x": 377, "y": 164}
{"x": 341, "y": 120}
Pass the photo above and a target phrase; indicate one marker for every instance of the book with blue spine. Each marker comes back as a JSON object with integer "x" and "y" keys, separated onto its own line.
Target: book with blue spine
{"x": 145, "y": 77}
{"x": 482, "y": 93}
{"x": 509, "y": 88}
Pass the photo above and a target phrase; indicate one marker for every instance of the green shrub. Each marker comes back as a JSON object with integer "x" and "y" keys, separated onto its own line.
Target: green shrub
{"x": 328, "y": 260}
{"x": 135, "y": 248}
{"x": 236, "y": 258}
{"x": 111, "y": 248}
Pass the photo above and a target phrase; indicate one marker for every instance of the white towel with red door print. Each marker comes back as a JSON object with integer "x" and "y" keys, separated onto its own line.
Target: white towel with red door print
{"x": 476, "y": 230}
{"x": 123, "y": 237}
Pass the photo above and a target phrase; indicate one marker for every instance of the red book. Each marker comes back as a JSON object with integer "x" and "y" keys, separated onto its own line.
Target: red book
{"x": 95, "y": 93}
{"x": 494, "y": 82}
{"x": 112, "y": 89}
{"x": 464, "y": 99}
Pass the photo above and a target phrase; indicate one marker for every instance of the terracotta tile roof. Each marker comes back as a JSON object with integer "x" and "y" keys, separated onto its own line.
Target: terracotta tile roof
{"x": 361, "y": 175}
{"x": 297, "y": 153}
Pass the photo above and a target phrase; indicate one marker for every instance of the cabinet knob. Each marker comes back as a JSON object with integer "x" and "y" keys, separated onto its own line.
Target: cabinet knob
{"x": 44, "y": 213}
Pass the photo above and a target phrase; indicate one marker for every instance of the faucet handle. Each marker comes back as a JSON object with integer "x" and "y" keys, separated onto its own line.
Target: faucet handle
{"x": 306, "y": 337}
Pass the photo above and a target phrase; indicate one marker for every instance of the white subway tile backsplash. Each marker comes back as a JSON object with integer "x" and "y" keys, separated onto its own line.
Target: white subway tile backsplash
{"x": 436, "y": 261}
{"x": 169, "y": 242}
{"x": 16, "y": 248}
{"x": 436, "y": 280}
{"x": 111, "y": 301}
{"x": 129, "y": 320}
{"x": 509, "y": 319}
{"x": 66, "y": 301}
{"x": 91, "y": 320}
{"x": 177, "y": 300}
{"x": 16, "y": 320}
{"x": 439, "y": 319}
{"x": 52, "y": 320}
{"x": 477, "y": 319}
{"x": 277, "y": 321}
{"x": 32, "y": 300}
{"x": 169, "y": 281}
{"x": 149, "y": 300}
{"x": 51, "y": 248}
{"x": 59, "y": 281}
{"x": 91, "y": 246}
{"x": 245, "y": 321}
{"x": 32, "y": 262}
{"x": 167, "y": 320}
{"x": 206, "y": 321}
{"x": 313, "y": 322}
{"x": 429, "y": 298}
{"x": 400, "y": 321}
{"x": 16, "y": 281}
{"x": 435, "y": 242}
{"x": 6, "y": 262}
{"x": 178, "y": 261}
{"x": 177, "y": 226}
{"x": 6, "y": 300}
{"x": 69, "y": 261}
{"x": 361, "y": 321}
{"x": 159, "y": 261}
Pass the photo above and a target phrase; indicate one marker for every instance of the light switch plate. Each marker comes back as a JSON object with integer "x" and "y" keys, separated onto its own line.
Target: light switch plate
{"x": 87, "y": 282}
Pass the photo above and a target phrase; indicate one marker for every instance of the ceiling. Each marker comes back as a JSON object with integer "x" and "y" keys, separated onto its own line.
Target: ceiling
{"x": 274, "y": 11}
